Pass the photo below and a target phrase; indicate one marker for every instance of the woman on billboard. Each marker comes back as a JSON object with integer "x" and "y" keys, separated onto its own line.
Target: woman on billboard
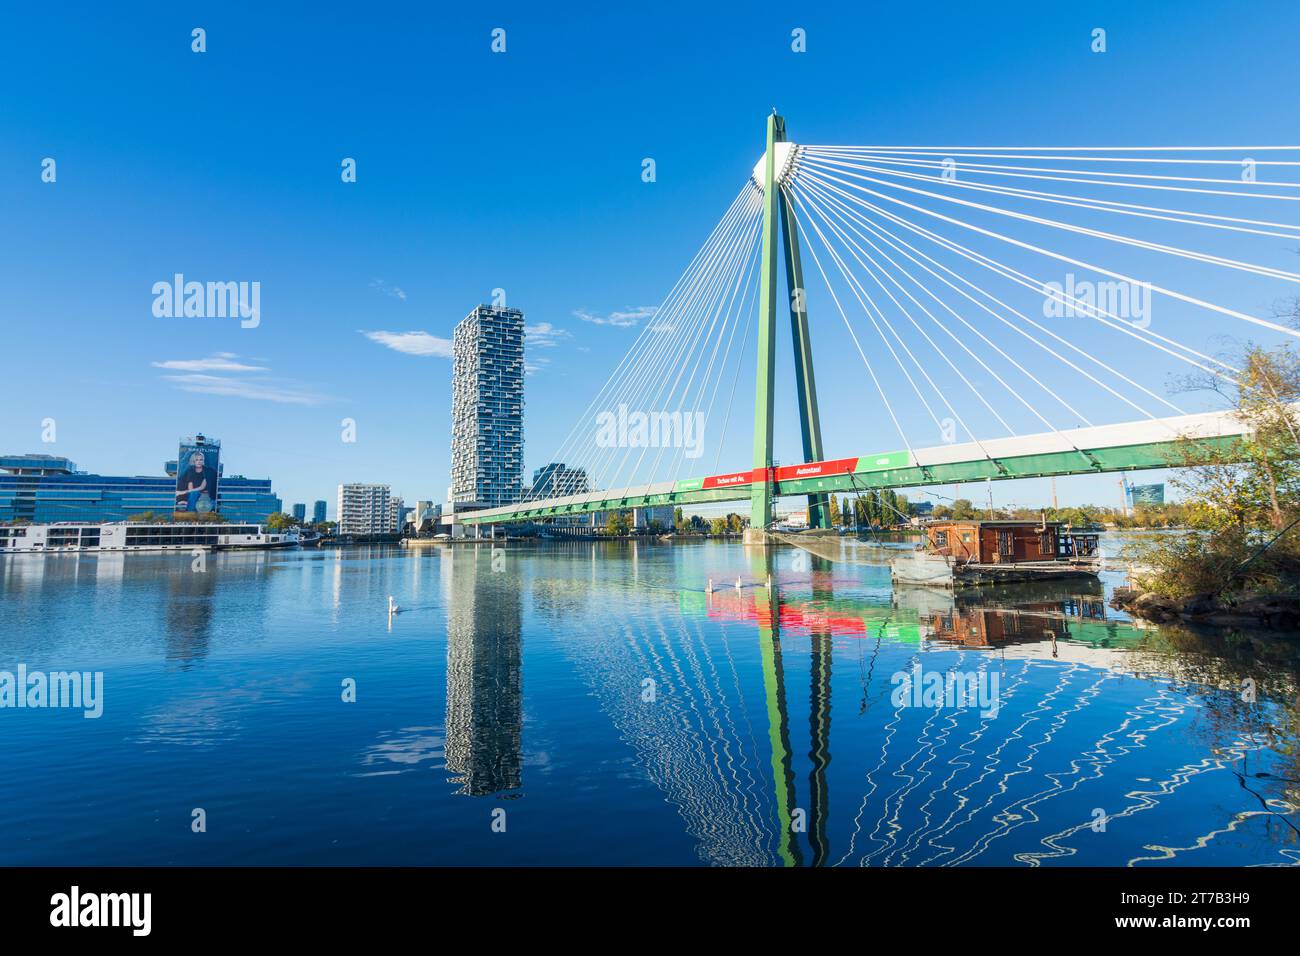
{"x": 195, "y": 484}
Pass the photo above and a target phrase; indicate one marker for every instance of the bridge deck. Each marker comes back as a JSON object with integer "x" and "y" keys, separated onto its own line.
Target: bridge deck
{"x": 1128, "y": 446}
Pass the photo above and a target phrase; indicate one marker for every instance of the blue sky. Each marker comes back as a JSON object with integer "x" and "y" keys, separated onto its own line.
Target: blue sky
{"x": 519, "y": 171}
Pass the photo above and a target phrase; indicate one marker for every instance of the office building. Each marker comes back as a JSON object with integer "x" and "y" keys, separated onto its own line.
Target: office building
{"x": 318, "y": 512}
{"x": 487, "y": 408}
{"x": 46, "y": 488}
{"x": 364, "y": 509}
{"x": 426, "y": 517}
{"x": 554, "y": 480}
{"x": 300, "y": 511}
{"x": 396, "y": 513}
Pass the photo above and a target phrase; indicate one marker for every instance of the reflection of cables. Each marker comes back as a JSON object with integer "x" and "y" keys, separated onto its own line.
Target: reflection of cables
{"x": 866, "y": 678}
{"x": 1241, "y": 779}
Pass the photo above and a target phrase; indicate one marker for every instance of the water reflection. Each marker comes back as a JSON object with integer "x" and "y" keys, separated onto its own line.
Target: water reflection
{"x": 188, "y": 611}
{"x": 1112, "y": 744}
{"x": 667, "y": 723}
{"x": 484, "y": 685}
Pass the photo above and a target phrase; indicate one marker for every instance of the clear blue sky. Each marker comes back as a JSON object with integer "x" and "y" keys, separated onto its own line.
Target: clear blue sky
{"x": 477, "y": 171}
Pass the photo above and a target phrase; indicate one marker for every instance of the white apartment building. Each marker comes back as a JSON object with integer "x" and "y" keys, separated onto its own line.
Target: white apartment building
{"x": 365, "y": 509}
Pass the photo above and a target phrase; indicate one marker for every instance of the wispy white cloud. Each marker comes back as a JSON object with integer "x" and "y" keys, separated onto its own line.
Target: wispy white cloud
{"x": 197, "y": 375}
{"x": 544, "y": 334}
{"x": 218, "y": 362}
{"x": 619, "y": 319}
{"x": 384, "y": 288}
{"x": 411, "y": 343}
{"x": 257, "y": 390}
{"x": 534, "y": 365}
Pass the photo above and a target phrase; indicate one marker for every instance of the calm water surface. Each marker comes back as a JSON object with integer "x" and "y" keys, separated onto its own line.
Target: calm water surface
{"x": 618, "y": 714}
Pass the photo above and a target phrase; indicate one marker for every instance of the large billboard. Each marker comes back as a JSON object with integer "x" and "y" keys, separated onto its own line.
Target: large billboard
{"x": 197, "y": 471}
{"x": 1147, "y": 494}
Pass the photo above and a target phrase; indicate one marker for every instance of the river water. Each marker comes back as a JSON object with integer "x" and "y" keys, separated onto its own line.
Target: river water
{"x": 594, "y": 703}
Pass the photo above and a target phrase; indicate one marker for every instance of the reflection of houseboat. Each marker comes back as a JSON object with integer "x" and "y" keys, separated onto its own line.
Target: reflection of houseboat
{"x": 963, "y": 553}
{"x": 1017, "y": 616}
{"x": 130, "y": 536}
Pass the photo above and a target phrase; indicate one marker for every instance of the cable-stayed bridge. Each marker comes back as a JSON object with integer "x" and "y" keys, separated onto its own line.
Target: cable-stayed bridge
{"x": 955, "y": 341}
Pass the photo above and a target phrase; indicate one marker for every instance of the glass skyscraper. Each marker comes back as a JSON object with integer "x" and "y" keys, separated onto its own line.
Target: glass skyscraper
{"x": 487, "y": 408}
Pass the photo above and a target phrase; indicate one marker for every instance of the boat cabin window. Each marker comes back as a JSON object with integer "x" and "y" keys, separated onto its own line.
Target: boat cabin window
{"x": 941, "y": 539}
{"x": 1046, "y": 546}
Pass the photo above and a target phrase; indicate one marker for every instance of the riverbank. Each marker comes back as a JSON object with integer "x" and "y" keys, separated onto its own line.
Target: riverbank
{"x": 1271, "y": 611}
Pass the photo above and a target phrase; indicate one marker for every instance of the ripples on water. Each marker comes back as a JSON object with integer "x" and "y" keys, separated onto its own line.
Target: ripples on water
{"x": 619, "y": 714}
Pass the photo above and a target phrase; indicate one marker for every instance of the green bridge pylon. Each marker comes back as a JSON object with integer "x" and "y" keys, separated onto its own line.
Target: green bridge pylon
{"x": 778, "y": 213}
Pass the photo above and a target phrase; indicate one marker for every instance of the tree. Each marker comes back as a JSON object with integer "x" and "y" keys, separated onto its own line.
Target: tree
{"x": 1255, "y": 482}
{"x": 1245, "y": 493}
{"x": 903, "y": 505}
{"x": 861, "y": 518}
{"x": 680, "y": 524}
{"x": 718, "y": 526}
{"x": 618, "y": 523}
{"x": 963, "y": 510}
{"x": 655, "y": 526}
{"x": 281, "y": 522}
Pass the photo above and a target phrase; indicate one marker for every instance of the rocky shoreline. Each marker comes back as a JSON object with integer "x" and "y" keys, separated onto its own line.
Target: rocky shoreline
{"x": 1275, "y": 611}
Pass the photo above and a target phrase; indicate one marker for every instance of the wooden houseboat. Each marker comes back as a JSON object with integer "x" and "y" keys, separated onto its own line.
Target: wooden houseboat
{"x": 962, "y": 553}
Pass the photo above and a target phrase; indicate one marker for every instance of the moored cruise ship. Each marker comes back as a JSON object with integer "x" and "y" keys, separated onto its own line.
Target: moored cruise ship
{"x": 133, "y": 536}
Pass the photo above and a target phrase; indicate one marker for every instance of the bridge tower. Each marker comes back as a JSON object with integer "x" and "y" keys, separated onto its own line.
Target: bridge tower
{"x": 780, "y": 225}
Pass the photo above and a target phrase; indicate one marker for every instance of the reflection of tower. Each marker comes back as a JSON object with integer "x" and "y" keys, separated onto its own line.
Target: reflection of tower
{"x": 819, "y": 718}
{"x": 484, "y": 705}
{"x": 188, "y": 612}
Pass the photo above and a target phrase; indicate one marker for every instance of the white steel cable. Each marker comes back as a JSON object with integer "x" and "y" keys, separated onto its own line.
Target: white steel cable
{"x": 883, "y": 235}
{"x": 1092, "y": 311}
{"x": 855, "y": 248}
{"x": 683, "y": 324}
{"x": 1024, "y": 371}
{"x": 716, "y": 288}
{"x": 1082, "y": 202}
{"x": 809, "y": 205}
{"x": 871, "y": 371}
{"x": 883, "y": 338}
{"x": 634, "y": 352}
{"x": 1191, "y": 300}
{"x": 1266, "y": 271}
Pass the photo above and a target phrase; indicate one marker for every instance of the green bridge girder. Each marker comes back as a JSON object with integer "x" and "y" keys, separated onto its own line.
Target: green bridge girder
{"x": 890, "y": 470}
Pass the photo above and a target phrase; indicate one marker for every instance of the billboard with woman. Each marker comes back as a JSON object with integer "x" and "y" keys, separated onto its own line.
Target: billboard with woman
{"x": 196, "y": 476}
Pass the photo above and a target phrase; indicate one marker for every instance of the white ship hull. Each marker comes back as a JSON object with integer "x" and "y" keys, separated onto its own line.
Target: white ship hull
{"x": 74, "y": 537}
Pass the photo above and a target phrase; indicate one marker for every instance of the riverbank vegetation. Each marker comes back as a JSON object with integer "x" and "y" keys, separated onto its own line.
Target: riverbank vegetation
{"x": 1243, "y": 497}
